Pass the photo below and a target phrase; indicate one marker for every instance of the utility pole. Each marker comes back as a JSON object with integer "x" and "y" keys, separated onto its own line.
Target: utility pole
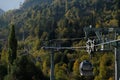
{"x": 117, "y": 62}
{"x": 51, "y": 62}
{"x": 117, "y": 59}
{"x": 52, "y": 65}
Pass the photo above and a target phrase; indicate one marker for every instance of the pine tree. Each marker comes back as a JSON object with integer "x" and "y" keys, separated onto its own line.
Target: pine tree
{"x": 12, "y": 45}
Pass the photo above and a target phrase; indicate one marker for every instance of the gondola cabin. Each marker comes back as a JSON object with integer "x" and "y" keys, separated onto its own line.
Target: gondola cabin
{"x": 86, "y": 68}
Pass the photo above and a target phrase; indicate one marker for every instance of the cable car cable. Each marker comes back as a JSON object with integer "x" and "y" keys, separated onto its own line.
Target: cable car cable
{"x": 81, "y": 47}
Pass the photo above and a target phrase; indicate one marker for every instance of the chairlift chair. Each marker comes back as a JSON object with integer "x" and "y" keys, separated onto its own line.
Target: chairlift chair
{"x": 86, "y": 68}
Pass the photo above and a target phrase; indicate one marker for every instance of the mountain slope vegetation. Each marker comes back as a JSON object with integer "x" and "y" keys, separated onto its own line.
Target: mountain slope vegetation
{"x": 39, "y": 22}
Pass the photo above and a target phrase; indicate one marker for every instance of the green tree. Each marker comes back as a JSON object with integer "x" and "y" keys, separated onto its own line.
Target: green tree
{"x": 106, "y": 66}
{"x": 12, "y": 45}
{"x": 3, "y": 71}
{"x": 61, "y": 72}
{"x": 24, "y": 68}
{"x": 76, "y": 67}
{"x": 4, "y": 57}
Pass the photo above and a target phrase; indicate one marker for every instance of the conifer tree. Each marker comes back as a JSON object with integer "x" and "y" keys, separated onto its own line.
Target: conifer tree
{"x": 12, "y": 45}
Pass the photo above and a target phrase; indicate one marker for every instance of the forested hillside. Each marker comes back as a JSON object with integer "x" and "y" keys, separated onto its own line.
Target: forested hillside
{"x": 39, "y": 21}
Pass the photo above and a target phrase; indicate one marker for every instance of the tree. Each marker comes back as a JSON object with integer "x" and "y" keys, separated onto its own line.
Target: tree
{"x": 61, "y": 72}
{"x": 4, "y": 57}
{"x": 76, "y": 67}
{"x": 3, "y": 71}
{"x": 24, "y": 68}
{"x": 106, "y": 66}
{"x": 12, "y": 45}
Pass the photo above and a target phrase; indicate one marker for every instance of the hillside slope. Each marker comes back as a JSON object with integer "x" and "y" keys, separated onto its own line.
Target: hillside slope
{"x": 38, "y": 22}
{"x": 71, "y": 15}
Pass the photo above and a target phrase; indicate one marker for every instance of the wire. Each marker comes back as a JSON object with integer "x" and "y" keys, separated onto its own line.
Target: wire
{"x": 61, "y": 48}
{"x": 72, "y": 39}
{"x": 65, "y": 39}
{"x": 82, "y": 38}
{"x": 81, "y": 47}
{"x": 107, "y": 42}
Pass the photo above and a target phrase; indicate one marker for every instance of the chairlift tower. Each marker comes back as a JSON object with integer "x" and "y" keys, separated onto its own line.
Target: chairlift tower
{"x": 116, "y": 44}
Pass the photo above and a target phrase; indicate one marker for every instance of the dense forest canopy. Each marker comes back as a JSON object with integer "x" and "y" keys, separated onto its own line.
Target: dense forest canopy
{"x": 38, "y": 21}
{"x": 71, "y": 15}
